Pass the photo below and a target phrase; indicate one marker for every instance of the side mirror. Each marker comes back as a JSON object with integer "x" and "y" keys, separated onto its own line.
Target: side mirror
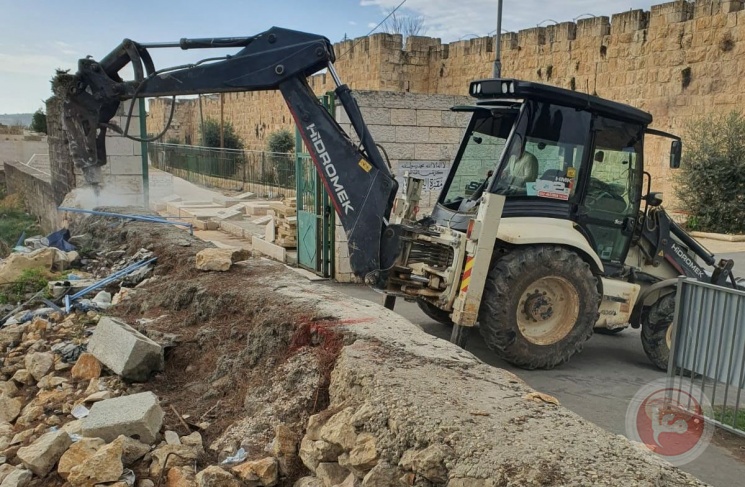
{"x": 676, "y": 148}
{"x": 653, "y": 199}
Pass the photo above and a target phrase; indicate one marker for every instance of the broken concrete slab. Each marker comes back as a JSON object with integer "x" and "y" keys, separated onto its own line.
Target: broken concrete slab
{"x": 270, "y": 231}
{"x": 256, "y": 208}
{"x": 269, "y": 249}
{"x": 233, "y": 229}
{"x": 226, "y": 201}
{"x": 138, "y": 416}
{"x": 205, "y": 225}
{"x": 262, "y": 220}
{"x": 41, "y": 455}
{"x": 229, "y": 214}
{"x": 124, "y": 350}
{"x": 245, "y": 196}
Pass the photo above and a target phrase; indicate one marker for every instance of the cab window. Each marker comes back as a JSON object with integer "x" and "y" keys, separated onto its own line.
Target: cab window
{"x": 545, "y": 159}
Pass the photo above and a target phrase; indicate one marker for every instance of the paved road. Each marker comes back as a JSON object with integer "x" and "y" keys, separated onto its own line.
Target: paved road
{"x": 596, "y": 384}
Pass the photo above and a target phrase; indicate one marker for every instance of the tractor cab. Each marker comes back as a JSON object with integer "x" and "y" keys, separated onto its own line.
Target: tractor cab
{"x": 553, "y": 153}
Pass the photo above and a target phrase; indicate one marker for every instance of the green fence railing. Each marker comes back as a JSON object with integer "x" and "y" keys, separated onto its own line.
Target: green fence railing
{"x": 265, "y": 173}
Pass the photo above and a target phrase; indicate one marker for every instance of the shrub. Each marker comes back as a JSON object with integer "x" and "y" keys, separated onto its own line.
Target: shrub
{"x": 211, "y": 135}
{"x": 39, "y": 122}
{"x": 280, "y": 141}
{"x": 711, "y": 181}
{"x": 31, "y": 281}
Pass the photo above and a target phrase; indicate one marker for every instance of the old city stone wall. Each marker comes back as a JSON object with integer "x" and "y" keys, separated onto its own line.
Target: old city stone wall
{"x": 35, "y": 189}
{"x": 677, "y": 61}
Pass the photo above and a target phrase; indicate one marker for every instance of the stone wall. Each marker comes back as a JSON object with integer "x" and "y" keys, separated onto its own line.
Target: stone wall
{"x": 677, "y": 60}
{"x": 36, "y": 191}
{"x": 60, "y": 161}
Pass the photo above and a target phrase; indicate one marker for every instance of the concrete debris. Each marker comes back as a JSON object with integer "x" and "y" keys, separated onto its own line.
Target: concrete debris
{"x": 17, "y": 478}
{"x": 220, "y": 259}
{"x": 10, "y": 408}
{"x": 216, "y": 477}
{"x": 259, "y": 473}
{"x": 172, "y": 438}
{"x": 87, "y": 367}
{"x": 103, "y": 466}
{"x": 132, "y": 450}
{"x": 136, "y": 415}
{"x": 79, "y": 452}
{"x": 38, "y": 364}
{"x": 41, "y": 455}
{"x": 124, "y": 350}
{"x": 331, "y": 473}
{"x": 174, "y": 455}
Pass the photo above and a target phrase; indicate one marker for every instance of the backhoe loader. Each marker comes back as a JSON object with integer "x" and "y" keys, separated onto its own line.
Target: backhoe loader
{"x": 545, "y": 231}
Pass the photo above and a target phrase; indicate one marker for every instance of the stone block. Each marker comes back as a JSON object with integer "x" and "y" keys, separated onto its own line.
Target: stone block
{"x": 429, "y": 118}
{"x": 445, "y": 135}
{"x": 124, "y": 350}
{"x": 41, "y": 455}
{"x": 17, "y": 478}
{"x": 269, "y": 249}
{"x": 377, "y": 115}
{"x": 246, "y": 196}
{"x": 219, "y": 259}
{"x": 127, "y": 184}
{"x": 10, "y": 408}
{"x": 401, "y": 116}
{"x": 138, "y": 416}
{"x": 103, "y": 467}
{"x": 412, "y": 134}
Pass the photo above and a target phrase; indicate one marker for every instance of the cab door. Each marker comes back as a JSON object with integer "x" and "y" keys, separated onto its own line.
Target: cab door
{"x": 610, "y": 206}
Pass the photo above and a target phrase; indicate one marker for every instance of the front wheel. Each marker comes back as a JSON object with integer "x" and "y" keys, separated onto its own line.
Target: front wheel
{"x": 434, "y": 312}
{"x": 657, "y": 330}
{"x": 540, "y": 305}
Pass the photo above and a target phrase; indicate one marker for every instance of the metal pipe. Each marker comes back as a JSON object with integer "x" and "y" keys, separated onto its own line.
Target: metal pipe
{"x": 113, "y": 277}
{"x": 144, "y": 218}
{"x": 334, "y": 74}
{"x": 498, "y": 48}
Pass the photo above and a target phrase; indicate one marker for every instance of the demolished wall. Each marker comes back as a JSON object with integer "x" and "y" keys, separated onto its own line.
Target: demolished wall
{"x": 36, "y": 191}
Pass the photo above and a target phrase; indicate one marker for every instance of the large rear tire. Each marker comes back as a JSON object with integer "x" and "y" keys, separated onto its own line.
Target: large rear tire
{"x": 434, "y": 312}
{"x": 657, "y": 330}
{"x": 539, "y": 306}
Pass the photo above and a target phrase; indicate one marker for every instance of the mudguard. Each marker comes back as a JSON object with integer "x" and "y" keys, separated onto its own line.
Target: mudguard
{"x": 535, "y": 231}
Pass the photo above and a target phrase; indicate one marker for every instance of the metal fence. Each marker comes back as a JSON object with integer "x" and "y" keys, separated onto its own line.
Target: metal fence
{"x": 708, "y": 350}
{"x": 264, "y": 173}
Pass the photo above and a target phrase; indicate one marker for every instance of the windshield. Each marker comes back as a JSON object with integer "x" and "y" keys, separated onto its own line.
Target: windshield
{"x": 480, "y": 153}
{"x": 546, "y": 154}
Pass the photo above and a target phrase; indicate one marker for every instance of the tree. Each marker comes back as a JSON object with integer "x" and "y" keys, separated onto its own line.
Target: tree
{"x": 405, "y": 25}
{"x": 280, "y": 141}
{"x": 39, "y": 122}
{"x": 211, "y": 135}
{"x": 711, "y": 182}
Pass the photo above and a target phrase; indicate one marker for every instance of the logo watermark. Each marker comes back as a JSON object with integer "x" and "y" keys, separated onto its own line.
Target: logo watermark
{"x": 667, "y": 417}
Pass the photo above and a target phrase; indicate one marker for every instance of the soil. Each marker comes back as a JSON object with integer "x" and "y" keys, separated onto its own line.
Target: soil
{"x": 240, "y": 358}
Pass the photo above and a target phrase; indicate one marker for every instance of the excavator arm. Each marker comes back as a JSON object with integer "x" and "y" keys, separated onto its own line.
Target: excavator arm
{"x": 356, "y": 177}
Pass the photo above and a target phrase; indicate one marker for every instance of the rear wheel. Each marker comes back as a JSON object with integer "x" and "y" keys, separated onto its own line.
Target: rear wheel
{"x": 539, "y": 307}
{"x": 657, "y": 330}
{"x": 434, "y": 312}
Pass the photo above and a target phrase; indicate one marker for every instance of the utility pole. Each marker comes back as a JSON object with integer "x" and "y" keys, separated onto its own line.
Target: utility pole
{"x": 222, "y": 120}
{"x": 498, "y": 56}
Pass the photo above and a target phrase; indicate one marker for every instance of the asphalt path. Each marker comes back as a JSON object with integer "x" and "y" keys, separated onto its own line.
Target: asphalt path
{"x": 597, "y": 384}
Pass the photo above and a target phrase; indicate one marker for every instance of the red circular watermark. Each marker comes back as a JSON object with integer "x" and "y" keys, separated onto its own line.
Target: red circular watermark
{"x": 667, "y": 416}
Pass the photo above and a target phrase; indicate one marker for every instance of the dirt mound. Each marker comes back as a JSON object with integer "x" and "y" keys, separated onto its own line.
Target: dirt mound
{"x": 241, "y": 360}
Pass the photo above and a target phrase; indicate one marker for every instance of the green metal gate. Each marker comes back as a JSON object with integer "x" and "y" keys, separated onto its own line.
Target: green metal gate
{"x": 315, "y": 216}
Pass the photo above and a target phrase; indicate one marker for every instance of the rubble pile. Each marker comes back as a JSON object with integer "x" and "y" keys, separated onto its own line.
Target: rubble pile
{"x": 182, "y": 376}
{"x": 249, "y": 377}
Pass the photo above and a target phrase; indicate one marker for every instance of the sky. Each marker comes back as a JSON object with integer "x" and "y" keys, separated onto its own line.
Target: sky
{"x": 37, "y": 37}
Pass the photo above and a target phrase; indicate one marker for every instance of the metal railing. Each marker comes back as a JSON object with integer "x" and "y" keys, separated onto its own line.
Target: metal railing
{"x": 264, "y": 173}
{"x": 708, "y": 350}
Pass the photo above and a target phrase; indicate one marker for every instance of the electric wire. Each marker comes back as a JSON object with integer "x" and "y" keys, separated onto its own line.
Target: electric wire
{"x": 173, "y": 99}
{"x": 373, "y": 29}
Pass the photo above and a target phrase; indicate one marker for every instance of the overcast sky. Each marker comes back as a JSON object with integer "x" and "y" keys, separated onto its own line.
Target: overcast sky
{"x": 36, "y": 37}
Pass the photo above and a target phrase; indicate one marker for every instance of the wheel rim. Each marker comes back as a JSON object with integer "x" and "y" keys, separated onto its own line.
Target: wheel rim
{"x": 548, "y": 310}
